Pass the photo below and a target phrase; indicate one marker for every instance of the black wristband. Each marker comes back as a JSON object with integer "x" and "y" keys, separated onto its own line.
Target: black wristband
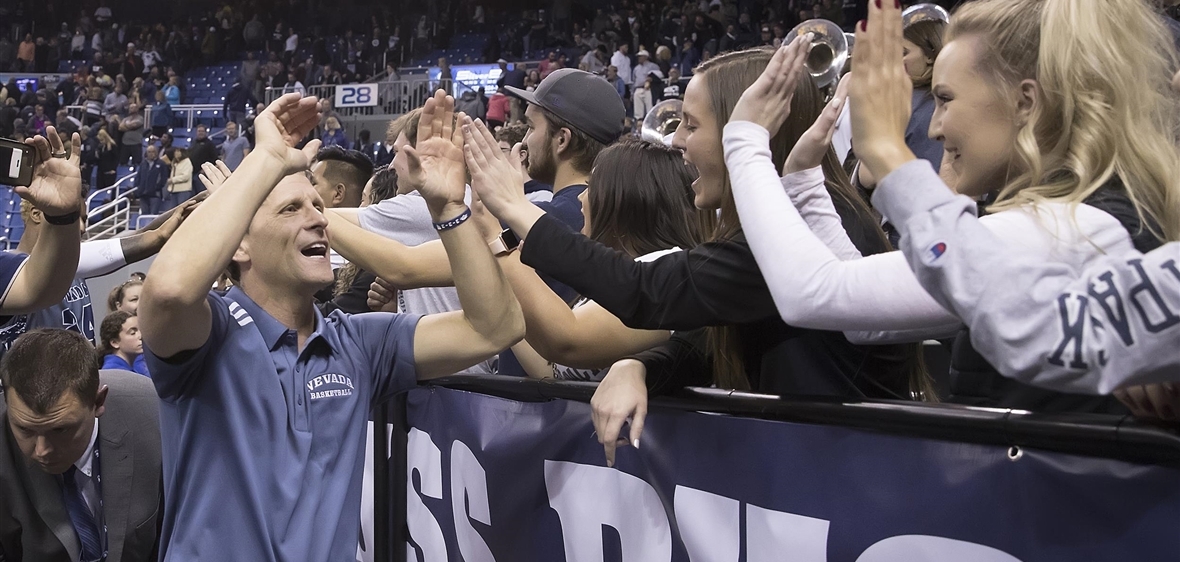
{"x": 64, "y": 220}
{"x": 447, "y": 225}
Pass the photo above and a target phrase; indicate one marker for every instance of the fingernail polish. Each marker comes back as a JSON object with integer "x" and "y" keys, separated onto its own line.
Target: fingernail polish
{"x": 635, "y": 443}
{"x": 897, "y": 4}
{"x": 878, "y": 2}
{"x": 864, "y": 25}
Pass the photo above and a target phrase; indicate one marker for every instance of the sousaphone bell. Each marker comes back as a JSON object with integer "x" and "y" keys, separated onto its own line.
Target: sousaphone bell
{"x": 661, "y": 121}
{"x": 829, "y": 50}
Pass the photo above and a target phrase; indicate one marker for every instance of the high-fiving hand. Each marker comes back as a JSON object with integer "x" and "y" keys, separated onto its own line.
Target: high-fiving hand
{"x": 436, "y": 164}
{"x": 767, "y": 102}
{"x": 809, "y": 151}
{"x": 56, "y": 188}
{"x": 880, "y": 92}
{"x": 495, "y": 176}
{"x": 282, "y": 126}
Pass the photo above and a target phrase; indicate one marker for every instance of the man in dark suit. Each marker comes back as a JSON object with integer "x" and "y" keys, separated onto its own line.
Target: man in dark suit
{"x": 72, "y": 488}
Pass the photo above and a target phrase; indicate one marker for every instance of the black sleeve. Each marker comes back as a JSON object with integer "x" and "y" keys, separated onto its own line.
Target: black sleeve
{"x": 356, "y": 299}
{"x": 712, "y": 284}
{"x": 681, "y": 361}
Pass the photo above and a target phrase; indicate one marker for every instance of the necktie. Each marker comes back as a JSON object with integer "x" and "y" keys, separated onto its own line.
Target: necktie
{"x": 81, "y": 517}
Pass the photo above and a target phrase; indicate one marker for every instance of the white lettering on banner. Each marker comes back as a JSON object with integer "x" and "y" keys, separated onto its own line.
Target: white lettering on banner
{"x": 925, "y": 548}
{"x": 588, "y": 497}
{"x": 469, "y": 482}
{"x": 771, "y": 533}
{"x": 425, "y": 458}
{"x": 709, "y": 525}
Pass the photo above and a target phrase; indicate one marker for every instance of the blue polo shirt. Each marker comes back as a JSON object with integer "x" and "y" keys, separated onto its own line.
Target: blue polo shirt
{"x": 264, "y": 445}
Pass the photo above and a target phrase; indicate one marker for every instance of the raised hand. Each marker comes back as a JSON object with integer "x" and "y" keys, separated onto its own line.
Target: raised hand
{"x": 436, "y": 164}
{"x": 495, "y": 177}
{"x": 880, "y": 91}
{"x": 767, "y": 102}
{"x": 56, "y": 188}
{"x": 282, "y": 125}
{"x": 809, "y": 151}
{"x": 212, "y": 176}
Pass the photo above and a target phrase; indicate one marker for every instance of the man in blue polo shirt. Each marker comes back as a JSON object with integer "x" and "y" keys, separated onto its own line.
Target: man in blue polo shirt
{"x": 263, "y": 400}
{"x": 41, "y": 278}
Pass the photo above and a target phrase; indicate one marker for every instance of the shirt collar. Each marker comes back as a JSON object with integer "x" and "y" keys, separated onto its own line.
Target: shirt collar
{"x": 272, "y": 330}
{"x": 84, "y": 464}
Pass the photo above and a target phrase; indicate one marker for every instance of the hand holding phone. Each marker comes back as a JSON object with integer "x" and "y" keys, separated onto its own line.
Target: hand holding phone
{"x": 56, "y": 186}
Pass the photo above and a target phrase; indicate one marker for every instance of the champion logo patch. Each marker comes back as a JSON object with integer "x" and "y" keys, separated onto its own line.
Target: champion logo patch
{"x": 937, "y": 250}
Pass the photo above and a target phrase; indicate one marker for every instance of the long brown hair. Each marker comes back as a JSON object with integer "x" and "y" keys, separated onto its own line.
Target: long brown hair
{"x": 640, "y": 199}
{"x": 726, "y": 78}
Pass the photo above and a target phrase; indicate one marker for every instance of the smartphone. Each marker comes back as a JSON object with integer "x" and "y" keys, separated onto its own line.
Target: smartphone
{"x": 16, "y": 163}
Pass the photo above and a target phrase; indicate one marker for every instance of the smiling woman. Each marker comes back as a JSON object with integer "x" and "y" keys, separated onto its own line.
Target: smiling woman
{"x": 1034, "y": 108}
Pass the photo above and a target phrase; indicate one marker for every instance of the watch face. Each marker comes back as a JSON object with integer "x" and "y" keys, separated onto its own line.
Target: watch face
{"x": 511, "y": 240}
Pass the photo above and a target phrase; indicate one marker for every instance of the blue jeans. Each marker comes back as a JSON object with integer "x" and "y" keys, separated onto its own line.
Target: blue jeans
{"x": 151, "y": 205}
{"x": 175, "y": 199}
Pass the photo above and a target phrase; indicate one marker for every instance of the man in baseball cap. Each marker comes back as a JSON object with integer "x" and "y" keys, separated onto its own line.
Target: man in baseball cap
{"x": 572, "y": 116}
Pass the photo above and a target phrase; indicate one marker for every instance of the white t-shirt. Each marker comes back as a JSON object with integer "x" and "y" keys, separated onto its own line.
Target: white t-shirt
{"x": 406, "y": 218}
{"x": 292, "y": 42}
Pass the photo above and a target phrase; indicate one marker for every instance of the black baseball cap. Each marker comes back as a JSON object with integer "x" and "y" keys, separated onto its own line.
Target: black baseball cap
{"x": 585, "y": 101}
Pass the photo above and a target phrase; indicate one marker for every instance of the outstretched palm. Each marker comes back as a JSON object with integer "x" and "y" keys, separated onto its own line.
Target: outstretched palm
{"x": 56, "y": 188}
{"x": 436, "y": 164}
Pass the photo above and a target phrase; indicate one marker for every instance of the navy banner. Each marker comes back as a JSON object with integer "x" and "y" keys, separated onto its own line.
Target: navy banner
{"x": 496, "y": 479}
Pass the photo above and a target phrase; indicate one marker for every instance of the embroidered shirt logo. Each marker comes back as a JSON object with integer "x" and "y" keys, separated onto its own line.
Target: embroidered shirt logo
{"x": 330, "y": 385}
{"x": 938, "y": 250}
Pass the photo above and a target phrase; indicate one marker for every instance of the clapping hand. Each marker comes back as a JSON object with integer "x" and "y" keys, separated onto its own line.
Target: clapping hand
{"x": 814, "y": 144}
{"x": 767, "y": 102}
{"x": 436, "y": 164}
{"x": 495, "y": 176}
{"x": 56, "y": 188}
{"x": 880, "y": 91}
{"x": 282, "y": 125}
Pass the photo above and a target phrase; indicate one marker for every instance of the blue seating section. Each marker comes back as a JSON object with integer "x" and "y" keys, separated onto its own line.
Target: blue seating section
{"x": 464, "y": 49}
{"x": 11, "y": 224}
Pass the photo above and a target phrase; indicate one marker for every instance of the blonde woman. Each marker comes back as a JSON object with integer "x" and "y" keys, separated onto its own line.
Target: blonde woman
{"x": 333, "y": 134}
{"x": 180, "y": 181}
{"x": 1033, "y": 109}
{"x": 108, "y": 159}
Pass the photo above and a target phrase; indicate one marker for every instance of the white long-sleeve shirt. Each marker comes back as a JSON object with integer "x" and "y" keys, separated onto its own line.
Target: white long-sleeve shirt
{"x": 813, "y": 288}
{"x": 1115, "y": 323}
{"x": 623, "y": 64}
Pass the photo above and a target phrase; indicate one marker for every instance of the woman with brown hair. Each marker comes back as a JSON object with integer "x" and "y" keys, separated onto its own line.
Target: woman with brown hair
{"x": 921, "y": 44}
{"x": 717, "y": 284}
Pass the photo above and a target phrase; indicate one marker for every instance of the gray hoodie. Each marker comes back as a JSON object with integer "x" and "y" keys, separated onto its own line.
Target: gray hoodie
{"x": 1115, "y": 324}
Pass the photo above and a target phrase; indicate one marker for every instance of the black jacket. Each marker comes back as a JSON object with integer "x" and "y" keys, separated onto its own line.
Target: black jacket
{"x": 716, "y": 284}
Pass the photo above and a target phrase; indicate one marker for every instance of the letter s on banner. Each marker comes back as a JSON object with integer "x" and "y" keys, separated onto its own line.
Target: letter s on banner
{"x": 422, "y": 455}
{"x": 925, "y": 548}
{"x": 468, "y": 480}
{"x": 588, "y": 497}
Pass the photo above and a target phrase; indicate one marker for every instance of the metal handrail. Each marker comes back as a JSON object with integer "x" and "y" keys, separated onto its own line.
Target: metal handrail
{"x": 188, "y": 110}
{"x": 99, "y": 224}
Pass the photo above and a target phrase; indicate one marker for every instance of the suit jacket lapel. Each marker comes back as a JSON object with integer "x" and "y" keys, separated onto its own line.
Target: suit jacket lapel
{"x": 117, "y": 468}
{"x": 46, "y": 494}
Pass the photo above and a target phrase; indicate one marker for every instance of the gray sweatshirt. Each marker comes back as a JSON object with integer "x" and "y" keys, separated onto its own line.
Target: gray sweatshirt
{"x": 1115, "y": 324}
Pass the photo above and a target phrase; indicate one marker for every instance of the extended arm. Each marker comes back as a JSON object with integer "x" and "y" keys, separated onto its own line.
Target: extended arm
{"x": 490, "y": 320}
{"x": 586, "y": 337}
{"x": 174, "y": 314}
{"x": 407, "y": 267}
{"x": 1115, "y": 324}
{"x": 811, "y": 287}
